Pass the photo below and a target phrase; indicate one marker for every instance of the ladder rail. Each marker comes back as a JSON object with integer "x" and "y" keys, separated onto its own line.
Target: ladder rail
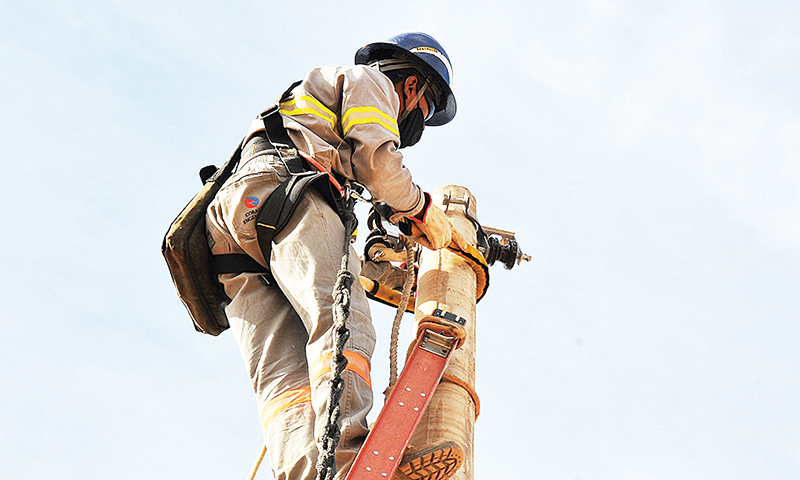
{"x": 383, "y": 448}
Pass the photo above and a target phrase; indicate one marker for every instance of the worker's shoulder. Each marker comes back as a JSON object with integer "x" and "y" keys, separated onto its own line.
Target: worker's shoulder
{"x": 349, "y": 75}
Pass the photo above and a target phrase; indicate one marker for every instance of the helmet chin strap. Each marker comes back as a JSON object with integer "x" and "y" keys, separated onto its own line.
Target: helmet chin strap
{"x": 414, "y": 101}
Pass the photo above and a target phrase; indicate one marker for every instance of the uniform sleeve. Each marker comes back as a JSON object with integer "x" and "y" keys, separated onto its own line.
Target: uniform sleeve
{"x": 369, "y": 124}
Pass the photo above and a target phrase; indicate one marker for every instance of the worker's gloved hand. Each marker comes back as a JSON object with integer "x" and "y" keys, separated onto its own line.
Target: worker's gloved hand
{"x": 436, "y": 230}
{"x": 430, "y": 227}
{"x": 384, "y": 273}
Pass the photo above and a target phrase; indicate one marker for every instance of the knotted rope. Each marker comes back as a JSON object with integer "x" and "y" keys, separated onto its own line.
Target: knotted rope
{"x": 326, "y": 462}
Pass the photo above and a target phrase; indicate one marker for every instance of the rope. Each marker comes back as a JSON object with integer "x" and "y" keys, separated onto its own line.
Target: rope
{"x": 254, "y": 470}
{"x": 326, "y": 463}
{"x": 401, "y": 309}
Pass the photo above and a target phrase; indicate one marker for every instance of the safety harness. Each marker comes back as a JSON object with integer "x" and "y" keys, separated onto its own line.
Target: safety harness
{"x": 277, "y": 210}
{"x": 194, "y": 269}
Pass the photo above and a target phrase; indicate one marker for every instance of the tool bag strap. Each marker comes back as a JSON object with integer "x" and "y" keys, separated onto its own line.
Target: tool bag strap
{"x": 188, "y": 256}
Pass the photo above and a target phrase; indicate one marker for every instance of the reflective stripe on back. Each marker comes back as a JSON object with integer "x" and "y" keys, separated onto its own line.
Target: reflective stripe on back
{"x": 306, "y": 104}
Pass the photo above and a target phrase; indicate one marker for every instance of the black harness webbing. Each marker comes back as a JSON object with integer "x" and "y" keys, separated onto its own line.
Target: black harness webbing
{"x": 273, "y": 217}
{"x": 280, "y": 206}
{"x": 274, "y": 131}
{"x": 236, "y": 263}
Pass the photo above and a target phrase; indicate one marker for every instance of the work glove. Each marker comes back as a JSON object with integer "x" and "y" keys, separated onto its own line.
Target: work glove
{"x": 384, "y": 273}
{"x": 430, "y": 227}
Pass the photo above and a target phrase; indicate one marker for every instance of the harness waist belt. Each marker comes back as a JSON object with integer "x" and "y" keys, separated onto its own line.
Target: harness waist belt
{"x": 236, "y": 263}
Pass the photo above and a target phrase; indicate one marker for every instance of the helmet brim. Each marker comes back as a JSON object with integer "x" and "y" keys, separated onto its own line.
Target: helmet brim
{"x": 379, "y": 50}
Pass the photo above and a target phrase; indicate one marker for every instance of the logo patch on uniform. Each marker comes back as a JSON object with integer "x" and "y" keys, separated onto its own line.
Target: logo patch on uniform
{"x": 251, "y": 202}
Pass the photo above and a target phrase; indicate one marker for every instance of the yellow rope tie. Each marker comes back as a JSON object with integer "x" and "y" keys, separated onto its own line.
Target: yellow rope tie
{"x": 254, "y": 470}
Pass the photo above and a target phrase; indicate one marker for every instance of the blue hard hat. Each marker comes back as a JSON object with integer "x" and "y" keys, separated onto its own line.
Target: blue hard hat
{"x": 427, "y": 56}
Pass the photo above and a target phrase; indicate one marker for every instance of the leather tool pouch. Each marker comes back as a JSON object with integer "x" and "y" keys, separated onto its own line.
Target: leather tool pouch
{"x": 185, "y": 248}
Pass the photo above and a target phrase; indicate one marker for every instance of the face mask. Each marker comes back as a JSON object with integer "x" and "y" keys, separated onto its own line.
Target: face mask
{"x": 411, "y": 128}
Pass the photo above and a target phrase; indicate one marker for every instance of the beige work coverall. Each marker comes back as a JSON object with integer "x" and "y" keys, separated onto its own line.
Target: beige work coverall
{"x": 345, "y": 118}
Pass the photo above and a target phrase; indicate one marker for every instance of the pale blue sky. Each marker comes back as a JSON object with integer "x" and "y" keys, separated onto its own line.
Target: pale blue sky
{"x": 646, "y": 153}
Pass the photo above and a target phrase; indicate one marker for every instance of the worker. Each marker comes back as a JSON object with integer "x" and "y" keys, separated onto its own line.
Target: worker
{"x": 352, "y": 121}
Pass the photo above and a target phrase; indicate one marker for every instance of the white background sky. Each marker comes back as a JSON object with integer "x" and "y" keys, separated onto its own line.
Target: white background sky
{"x": 646, "y": 153}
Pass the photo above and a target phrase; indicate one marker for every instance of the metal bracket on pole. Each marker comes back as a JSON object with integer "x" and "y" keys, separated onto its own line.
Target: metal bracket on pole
{"x": 448, "y": 199}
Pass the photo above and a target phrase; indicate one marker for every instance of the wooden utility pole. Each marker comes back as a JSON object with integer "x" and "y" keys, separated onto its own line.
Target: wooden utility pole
{"x": 448, "y": 283}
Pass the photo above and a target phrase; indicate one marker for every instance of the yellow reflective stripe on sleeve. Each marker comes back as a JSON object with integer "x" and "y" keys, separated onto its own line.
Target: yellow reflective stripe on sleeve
{"x": 356, "y": 363}
{"x": 308, "y": 105}
{"x": 282, "y": 402}
{"x": 368, "y": 115}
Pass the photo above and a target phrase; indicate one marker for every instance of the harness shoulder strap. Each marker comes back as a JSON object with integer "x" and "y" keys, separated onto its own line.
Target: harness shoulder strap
{"x": 273, "y": 123}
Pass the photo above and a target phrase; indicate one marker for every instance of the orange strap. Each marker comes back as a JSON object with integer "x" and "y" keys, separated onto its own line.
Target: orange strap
{"x": 476, "y": 261}
{"x": 356, "y": 363}
{"x": 282, "y": 402}
{"x": 466, "y": 386}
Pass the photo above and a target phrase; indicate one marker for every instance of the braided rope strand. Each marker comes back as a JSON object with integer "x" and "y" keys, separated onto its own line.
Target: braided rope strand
{"x": 326, "y": 463}
{"x": 401, "y": 308}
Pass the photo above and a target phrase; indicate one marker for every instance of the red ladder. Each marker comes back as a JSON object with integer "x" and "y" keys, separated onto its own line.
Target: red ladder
{"x": 383, "y": 449}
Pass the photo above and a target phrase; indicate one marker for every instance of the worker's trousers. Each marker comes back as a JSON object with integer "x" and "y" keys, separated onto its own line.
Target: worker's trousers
{"x": 284, "y": 331}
